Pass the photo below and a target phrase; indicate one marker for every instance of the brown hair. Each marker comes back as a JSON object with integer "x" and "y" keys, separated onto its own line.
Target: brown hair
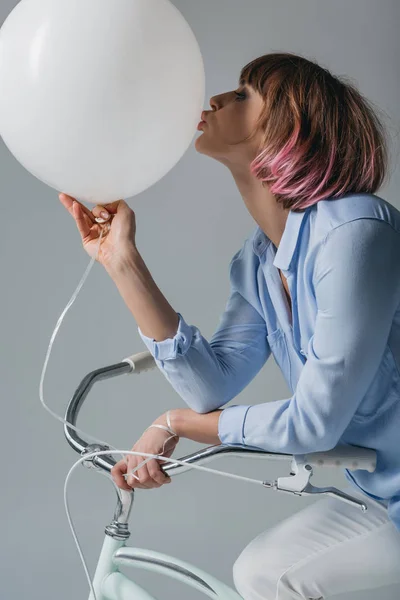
{"x": 322, "y": 138}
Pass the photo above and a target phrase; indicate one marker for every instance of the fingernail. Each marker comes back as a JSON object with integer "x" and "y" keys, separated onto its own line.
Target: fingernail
{"x": 104, "y": 214}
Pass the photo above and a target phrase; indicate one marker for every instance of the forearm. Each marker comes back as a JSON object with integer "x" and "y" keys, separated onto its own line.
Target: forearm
{"x": 199, "y": 427}
{"x": 151, "y": 310}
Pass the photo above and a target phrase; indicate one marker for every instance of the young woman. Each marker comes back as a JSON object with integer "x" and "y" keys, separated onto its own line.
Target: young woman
{"x": 316, "y": 284}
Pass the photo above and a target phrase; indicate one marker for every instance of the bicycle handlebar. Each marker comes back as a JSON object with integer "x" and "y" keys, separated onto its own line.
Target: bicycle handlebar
{"x": 345, "y": 456}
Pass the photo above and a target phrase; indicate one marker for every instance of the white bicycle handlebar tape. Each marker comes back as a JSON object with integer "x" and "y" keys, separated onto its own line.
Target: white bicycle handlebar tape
{"x": 347, "y": 457}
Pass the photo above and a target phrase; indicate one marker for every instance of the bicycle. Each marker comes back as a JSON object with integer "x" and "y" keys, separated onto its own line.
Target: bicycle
{"x": 109, "y": 583}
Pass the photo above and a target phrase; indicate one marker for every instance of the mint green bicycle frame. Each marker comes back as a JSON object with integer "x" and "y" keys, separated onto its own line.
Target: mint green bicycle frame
{"x": 109, "y": 583}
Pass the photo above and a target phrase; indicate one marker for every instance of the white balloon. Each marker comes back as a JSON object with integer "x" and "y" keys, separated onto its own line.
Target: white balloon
{"x": 99, "y": 98}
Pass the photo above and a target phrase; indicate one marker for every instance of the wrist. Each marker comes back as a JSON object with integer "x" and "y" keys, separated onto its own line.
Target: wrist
{"x": 123, "y": 262}
{"x": 189, "y": 424}
{"x": 199, "y": 427}
{"x": 174, "y": 420}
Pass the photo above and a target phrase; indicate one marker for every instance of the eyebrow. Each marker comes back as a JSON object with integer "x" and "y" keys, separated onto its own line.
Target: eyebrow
{"x": 243, "y": 83}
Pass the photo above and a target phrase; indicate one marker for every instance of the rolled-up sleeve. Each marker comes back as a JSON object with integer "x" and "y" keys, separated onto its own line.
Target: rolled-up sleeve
{"x": 357, "y": 290}
{"x": 205, "y": 374}
{"x": 171, "y": 347}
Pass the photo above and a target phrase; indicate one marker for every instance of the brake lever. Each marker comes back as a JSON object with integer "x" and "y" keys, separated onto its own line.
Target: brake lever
{"x": 298, "y": 483}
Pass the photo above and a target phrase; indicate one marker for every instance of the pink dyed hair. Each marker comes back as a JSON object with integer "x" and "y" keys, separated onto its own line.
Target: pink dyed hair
{"x": 321, "y": 139}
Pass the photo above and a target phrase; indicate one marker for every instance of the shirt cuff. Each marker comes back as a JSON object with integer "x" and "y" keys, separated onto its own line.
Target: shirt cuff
{"x": 231, "y": 424}
{"x": 171, "y": 347}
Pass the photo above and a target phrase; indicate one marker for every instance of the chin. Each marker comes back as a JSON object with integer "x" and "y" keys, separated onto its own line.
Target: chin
{"x": 210, "y": 152}
{"x": 199, "y": 145}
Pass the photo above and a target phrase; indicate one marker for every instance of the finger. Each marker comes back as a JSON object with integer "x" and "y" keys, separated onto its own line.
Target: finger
{"x": 131, "y": 463}
{"x": 155, "y": 472}
{"x": 111, "y": 209}
{"x": 143, "y": 473}
{"x": 141, "y": 477}
{"x": 68, "y": 201}
{"x": 117, "y": 473}
{"x": 81, "y": 222}
{"x": 148, "y": 479}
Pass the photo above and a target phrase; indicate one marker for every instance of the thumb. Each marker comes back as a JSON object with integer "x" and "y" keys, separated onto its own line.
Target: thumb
{"x": 113, "y": 207}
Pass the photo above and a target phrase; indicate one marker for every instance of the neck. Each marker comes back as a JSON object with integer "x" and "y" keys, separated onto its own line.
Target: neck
{"x": 266, "y": 211}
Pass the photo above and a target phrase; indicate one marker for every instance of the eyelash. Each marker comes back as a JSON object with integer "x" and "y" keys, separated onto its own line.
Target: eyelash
{"x": 240, "y": 96}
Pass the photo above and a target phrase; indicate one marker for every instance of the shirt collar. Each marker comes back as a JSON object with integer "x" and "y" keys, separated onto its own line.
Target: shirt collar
{"x": 287, "y": 245}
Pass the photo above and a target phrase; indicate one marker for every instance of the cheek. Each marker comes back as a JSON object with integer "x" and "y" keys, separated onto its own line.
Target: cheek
{"x": 232, "y": 128}
{"x": 220, "y": 133}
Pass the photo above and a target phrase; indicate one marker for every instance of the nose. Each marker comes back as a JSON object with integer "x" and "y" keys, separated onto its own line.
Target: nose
{"x": 214, "y": 102}
{"x": 214, "y": 107}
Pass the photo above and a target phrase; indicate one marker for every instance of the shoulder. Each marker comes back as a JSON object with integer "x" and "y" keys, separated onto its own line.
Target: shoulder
{"x": 358, "y": 233}
{"x": 328, "y": 215}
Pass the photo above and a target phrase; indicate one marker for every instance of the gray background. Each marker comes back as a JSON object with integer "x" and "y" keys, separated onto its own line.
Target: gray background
{"x": 189, "y": 226}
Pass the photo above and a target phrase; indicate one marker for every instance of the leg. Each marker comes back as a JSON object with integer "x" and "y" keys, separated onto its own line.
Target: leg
{"x": 327, "y": 548}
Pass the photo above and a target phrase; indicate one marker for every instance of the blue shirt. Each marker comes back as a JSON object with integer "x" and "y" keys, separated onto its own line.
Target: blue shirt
{"x": 339, "y": 353}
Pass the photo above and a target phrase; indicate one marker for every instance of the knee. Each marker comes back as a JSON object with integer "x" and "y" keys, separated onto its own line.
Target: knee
{"x": 258, "y": 576}
{"x": 243, "y": 574}
{"x": 251, "y": 577}
{"x": 260, "y": 573}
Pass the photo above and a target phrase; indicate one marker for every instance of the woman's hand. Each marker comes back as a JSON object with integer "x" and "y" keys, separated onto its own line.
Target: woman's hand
{"x": 118, "y": 239}
{"x": 150, "y": 475}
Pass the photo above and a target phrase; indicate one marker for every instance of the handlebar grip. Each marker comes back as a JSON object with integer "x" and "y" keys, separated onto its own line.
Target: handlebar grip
{"x": 348, "y": 457}
{"x": 143, "y": 361}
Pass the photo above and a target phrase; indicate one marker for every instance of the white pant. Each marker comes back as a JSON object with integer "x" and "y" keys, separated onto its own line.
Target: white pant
{"x": 327, "y": 548}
